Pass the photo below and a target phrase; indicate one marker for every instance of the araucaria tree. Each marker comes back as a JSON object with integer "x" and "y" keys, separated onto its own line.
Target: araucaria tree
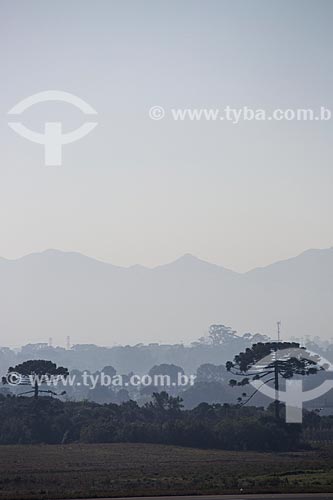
{"x": 271, "y": 361}
{"x": 35, "y": 372}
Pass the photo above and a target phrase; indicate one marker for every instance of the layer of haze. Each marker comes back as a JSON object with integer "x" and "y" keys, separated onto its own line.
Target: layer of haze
{"x": 139, "y": 191}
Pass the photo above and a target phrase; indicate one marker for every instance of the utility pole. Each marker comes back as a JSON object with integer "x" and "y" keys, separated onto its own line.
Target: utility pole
{"x": 279, "y": 330}
{"x": 276, "y": 375}
{"x": 276, "y": 387}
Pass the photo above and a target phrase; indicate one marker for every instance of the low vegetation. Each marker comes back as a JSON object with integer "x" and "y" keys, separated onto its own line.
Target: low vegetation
{"x": 111, "y": 470}
{"x": 162, "y": 418}
{"x": 46, "y": 420}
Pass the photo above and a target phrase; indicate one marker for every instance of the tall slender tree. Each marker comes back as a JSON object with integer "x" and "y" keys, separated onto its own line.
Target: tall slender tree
{"x": 271, "y": 361}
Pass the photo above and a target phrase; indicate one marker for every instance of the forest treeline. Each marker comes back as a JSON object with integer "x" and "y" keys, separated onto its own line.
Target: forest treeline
{"x": 219, "y": 345}
{"x": 162, "y": 420}
{"x": 207, "y": 357}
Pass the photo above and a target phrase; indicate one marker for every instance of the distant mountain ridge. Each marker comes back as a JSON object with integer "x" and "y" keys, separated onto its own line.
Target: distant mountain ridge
{"x": 55, "y": 294}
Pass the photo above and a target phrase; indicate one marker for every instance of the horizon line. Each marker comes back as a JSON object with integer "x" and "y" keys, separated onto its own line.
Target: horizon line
{"x": 184, "y": 256}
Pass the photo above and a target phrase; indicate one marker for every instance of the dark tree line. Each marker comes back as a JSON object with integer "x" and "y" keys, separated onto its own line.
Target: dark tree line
{"x": 163, "y": 420}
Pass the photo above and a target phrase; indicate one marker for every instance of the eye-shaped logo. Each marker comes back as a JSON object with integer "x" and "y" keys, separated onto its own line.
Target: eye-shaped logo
{"x": 53, "y": 138}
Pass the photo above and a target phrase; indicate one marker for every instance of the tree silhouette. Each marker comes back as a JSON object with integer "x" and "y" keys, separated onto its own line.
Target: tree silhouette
{"x": 35, "y": 372}
{"x": 163, "y": 402}
{"x": 270, "y": 360}
{"x": 221, "y": 334}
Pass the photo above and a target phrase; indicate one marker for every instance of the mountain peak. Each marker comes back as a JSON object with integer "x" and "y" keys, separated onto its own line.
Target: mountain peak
{"x": 56, "y": 293}
{"x": 189, "y": 262}
{"x": 189, "y": 257}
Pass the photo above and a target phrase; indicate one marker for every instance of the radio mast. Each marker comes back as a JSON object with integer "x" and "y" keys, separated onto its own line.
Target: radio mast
{"x": 279, "y": 330}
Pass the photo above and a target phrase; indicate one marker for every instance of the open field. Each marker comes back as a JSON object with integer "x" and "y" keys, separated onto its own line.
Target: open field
{"x": 74, "y": 471}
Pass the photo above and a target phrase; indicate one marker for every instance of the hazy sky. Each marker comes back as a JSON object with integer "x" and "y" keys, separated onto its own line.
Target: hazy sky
{"x": 139, "y": 191}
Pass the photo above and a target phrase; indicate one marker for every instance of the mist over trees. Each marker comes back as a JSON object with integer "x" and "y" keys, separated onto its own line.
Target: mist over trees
{"x": 219, "y": 345}
{"x": 208, "y": 413}
{"x": 206, "y": 359}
